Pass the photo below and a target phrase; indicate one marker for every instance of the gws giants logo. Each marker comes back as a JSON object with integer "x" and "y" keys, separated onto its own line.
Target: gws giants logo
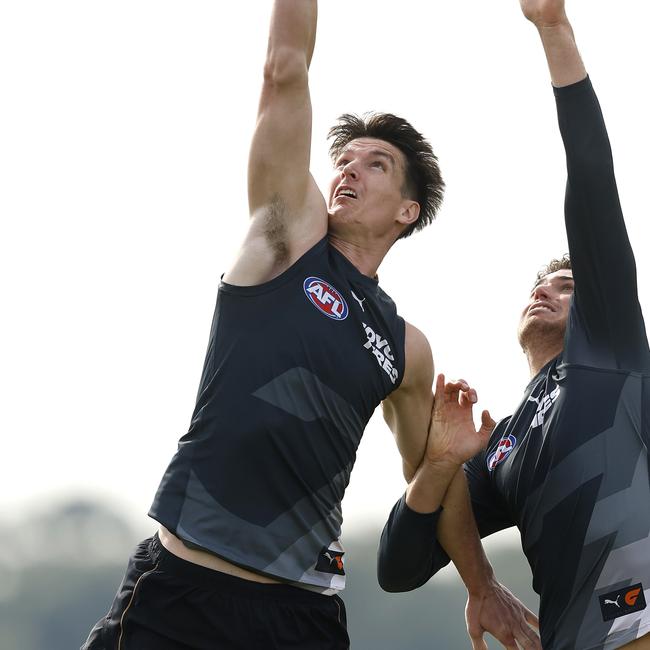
{"x": 380, "y": 348}
{"x": 504, "y": 449}
{"x": 325, "y": 298}
{"x": 330, "y": 561}
{"x": 621, "y": 602}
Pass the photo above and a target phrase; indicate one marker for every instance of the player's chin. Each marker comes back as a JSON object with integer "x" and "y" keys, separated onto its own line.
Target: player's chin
{"x": 533, "y": 328}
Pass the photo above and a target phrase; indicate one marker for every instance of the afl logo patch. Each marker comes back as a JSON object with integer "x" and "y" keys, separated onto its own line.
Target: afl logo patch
{"x": 325, "y": 298}
{"x": 504, "y": 449}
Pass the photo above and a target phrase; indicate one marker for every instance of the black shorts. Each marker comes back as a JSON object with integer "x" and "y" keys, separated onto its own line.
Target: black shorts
{"x": 166, "y": 603}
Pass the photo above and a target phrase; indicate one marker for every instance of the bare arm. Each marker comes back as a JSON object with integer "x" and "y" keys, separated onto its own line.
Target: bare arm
{"x": 288, "y": 212}
{"x": 407, "y": 410}
{"x": 440, "y": 480}
{"x": 564, "y": 62}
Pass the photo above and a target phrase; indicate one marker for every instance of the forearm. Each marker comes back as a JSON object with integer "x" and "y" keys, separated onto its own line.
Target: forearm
{"x": 293, "y": 30}
{"x": 562, "y": 55}
{"x": 459, "y": 537}
{"x": 428, "y": 487}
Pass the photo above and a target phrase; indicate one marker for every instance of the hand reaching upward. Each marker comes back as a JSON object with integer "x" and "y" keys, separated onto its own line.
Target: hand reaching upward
{"x": 453, "y": 436}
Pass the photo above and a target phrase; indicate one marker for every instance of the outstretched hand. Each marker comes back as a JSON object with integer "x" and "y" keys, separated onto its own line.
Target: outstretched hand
{"x": 544, "y": 13}
{"x": 452, "y": 433}
{"x": 499, "y": 613}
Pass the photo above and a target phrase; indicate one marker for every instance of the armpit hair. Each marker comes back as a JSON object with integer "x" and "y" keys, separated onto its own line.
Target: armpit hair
{"x": 275, "y": 229}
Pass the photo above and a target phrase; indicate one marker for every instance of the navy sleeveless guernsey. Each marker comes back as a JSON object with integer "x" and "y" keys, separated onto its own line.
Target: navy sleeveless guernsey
{"x": 295, "y": 367}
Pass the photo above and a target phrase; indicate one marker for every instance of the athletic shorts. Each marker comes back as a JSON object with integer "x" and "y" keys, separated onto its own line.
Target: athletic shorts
{"x": 166, "y": 603}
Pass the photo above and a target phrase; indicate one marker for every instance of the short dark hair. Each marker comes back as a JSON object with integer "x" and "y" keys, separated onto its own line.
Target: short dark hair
{"x": 554, "y": 265}
{"x": 423, "y": 181}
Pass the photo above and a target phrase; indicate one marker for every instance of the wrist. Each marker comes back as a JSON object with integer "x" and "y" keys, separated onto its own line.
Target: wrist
{"x": 558, "y": 21}
{"x": 554, "y": 29}
{"x": 427, "y": 488}
{"x": 444, "y": 463}
{"x": 483, "y": 584}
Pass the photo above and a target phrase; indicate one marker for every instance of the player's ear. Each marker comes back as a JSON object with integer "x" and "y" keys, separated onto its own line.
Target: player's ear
{"x": 409, "y": 212}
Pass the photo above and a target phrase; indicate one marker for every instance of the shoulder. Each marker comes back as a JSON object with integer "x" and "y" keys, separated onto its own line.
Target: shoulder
{"x": 416, "y": 346}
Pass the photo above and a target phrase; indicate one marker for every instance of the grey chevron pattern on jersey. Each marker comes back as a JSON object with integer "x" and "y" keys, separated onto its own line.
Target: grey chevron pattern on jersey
{"x": 611, "y": 534}
{"x": 291, "y": 543}
{"x": 302, "y": 394}
{"x": 617, "y": 639}
{"x": 607, "y": 512}
{"x": 631, "y": 541}
{"x": 592, "y": 457}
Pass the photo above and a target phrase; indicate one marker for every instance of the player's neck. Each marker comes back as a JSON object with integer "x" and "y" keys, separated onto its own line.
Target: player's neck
{"x": 540, "y": 354}
{"x": 365, "y": 256}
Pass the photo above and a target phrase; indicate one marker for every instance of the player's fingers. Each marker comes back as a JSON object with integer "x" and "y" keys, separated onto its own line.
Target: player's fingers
{"x": 487, "y": 422}
{"x": 505, "y": 637}
{"x": 467, "y": 398}
{"x": 457, "y": 384}
{"x": 453, "y": 388}
{"x": 531, "y": 619}
{"x": 460, "y": 384}
{"x": 487, "y": 418}
{"x": 528, "y": 639}
{"x": 439, "y": 394}
{"x": 440, "y": 386}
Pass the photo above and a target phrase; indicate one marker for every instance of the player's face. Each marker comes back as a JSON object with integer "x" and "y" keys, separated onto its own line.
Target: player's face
{"x": 366, "y": 191}
{"x": 549, "y": 300}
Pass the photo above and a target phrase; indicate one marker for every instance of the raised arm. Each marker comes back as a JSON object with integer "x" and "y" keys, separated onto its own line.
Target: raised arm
{"x": 288, "y": 212}
{"x": 604, "y": 270}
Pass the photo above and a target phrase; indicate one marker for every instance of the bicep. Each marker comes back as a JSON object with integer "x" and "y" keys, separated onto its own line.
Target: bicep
{"x": 407, "y": 410}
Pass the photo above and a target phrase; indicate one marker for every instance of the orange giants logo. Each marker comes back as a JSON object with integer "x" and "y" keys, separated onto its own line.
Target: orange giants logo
{"x": 621, "y": 602}
{"x": 631, "y": 596}
{"x": 330, "y": 561}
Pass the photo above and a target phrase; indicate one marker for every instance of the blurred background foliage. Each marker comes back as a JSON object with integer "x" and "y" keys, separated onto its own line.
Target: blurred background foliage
{"x": 60, "y": 568}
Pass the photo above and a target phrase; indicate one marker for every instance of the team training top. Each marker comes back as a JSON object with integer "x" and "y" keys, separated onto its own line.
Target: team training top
{"x": 570, "y": 467}
{"x": 295, "y": 367}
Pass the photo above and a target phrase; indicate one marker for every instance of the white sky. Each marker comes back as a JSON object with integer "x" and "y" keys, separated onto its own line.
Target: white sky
{"x": 124, "y": 131}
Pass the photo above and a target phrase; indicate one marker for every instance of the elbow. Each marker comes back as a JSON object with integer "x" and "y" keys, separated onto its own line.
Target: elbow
{"x": 395, "y": 584}
{"x": 286, "y": 67}
{"x": 398, "y": 577}
{"x": 590, "y": 168}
